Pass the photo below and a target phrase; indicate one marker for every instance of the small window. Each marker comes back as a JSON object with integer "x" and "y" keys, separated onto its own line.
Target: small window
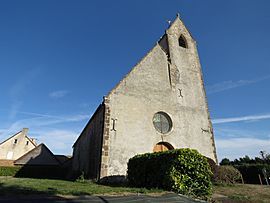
{"x": 15, "y": 141}
{"x": 10, "y": 155}
{"x": 182, "y": 42}
{"x": 162, "y": 122}
{"x": 27, "y": 142}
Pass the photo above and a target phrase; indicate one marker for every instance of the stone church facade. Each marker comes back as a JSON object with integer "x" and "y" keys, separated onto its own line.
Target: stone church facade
{"x": 159, "y": 105}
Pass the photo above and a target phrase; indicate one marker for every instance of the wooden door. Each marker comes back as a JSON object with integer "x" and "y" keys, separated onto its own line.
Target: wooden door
{"x": 162, "y": 146}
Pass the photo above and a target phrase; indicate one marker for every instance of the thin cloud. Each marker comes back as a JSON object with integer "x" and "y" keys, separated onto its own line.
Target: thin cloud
{"x": 58, "y": 94}
{"x": 48, "y": 129}
{"x": 232, "y": 132}
{"x": 58, "y": 140}
{"x": 19, "y": 87}
{"x": 240, "y": 119}
{"x": 226, "y": 85}
{"x": 39, "y": 122}
{"x": 77, "y": 117}
{"x": 233, "y": 148}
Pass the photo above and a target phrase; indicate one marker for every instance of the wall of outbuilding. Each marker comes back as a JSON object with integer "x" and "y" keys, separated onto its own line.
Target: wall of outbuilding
{"x": 87, "y": 148}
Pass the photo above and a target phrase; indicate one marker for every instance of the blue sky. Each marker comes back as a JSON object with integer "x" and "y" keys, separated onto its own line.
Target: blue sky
{"x": 59, "y": 58}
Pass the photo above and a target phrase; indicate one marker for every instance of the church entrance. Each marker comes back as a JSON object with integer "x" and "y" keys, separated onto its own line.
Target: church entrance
{"x": 162, "y": 146}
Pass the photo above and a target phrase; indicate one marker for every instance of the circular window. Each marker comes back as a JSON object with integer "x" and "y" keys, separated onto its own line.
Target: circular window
{"x": 162, "y": 122}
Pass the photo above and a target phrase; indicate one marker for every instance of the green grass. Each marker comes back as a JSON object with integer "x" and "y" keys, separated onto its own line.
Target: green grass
{"x": 26, "y": 186}
{"x": 10, "y": 186}
{"x": 241, "y": 193}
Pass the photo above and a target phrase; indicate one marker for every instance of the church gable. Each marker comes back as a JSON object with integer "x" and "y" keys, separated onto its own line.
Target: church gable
{"x": 149, "y": 75}
{"x": 160, "y": 70}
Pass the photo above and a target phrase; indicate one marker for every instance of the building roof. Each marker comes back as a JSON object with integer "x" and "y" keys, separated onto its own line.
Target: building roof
{"x": 40, "y": 155}
{"x": 92, "y": 117}
{"x": 24, "y": 130}
{"x": 62, "y": 158}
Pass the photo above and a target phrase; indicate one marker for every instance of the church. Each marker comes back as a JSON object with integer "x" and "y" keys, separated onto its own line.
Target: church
{"x": 159, "y": 105}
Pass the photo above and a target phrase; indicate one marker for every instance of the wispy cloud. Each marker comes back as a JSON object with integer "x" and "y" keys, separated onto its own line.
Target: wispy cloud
{"x": 17, "y": 90}
{"x": 233, "y": 148}
{"x": 41, "y": 120}
{"x": 57, "y": 132}
{"x": 226, "y": 85}
{"x": 69, "y": 118}
{"x": 239, "y": 119}
{"x": 58, "y": 94}
{"x": 58, "y": 140}
{"x": 235, "y": 142}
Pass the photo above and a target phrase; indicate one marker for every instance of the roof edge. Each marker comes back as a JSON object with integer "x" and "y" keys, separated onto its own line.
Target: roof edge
{"x": 92, "y": 117}
{"x": 40, "y": 145}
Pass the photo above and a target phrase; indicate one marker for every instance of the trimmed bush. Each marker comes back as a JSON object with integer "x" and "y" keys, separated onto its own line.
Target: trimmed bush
{"x": 184, "y": 171}
{"x": 227, "y": 174}
{"x": 9, "y": 170}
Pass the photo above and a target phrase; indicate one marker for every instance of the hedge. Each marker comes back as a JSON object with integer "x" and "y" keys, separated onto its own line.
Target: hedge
{"x": 9, "y": 170}
{"x": 184, "y": 171}
{"x": 250, "y": 172}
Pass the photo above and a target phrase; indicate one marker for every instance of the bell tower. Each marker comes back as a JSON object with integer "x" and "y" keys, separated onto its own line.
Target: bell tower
{"x": 186, "y": 79}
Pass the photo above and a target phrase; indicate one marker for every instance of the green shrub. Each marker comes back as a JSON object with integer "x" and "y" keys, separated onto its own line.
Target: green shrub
{"x": 250, "y": 172}
{"x": 9, "y": 170}
{"x": 227, "y": 174}
{"x": 184, "y": 171}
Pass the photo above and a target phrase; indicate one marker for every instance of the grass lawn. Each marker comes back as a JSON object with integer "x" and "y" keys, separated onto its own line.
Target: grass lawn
{"x": 26, "y": 186}
{"x": 10, "y": 186}
{"x": 241, "y": 193}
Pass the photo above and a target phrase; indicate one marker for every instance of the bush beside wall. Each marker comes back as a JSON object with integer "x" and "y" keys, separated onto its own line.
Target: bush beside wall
{"x": 227, "y": 175}
{"x": 9, "y": 170}
{"x": 184, "y": 171}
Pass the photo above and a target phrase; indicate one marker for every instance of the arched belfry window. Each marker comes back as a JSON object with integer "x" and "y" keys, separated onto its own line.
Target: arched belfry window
{"x": 182, "y": 42}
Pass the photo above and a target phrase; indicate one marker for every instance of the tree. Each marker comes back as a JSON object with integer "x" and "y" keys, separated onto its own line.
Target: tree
{"x": 225, "y": 161}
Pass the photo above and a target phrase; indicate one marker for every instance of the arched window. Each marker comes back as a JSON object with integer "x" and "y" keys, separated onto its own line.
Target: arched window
{"x": 182, "y": 42}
